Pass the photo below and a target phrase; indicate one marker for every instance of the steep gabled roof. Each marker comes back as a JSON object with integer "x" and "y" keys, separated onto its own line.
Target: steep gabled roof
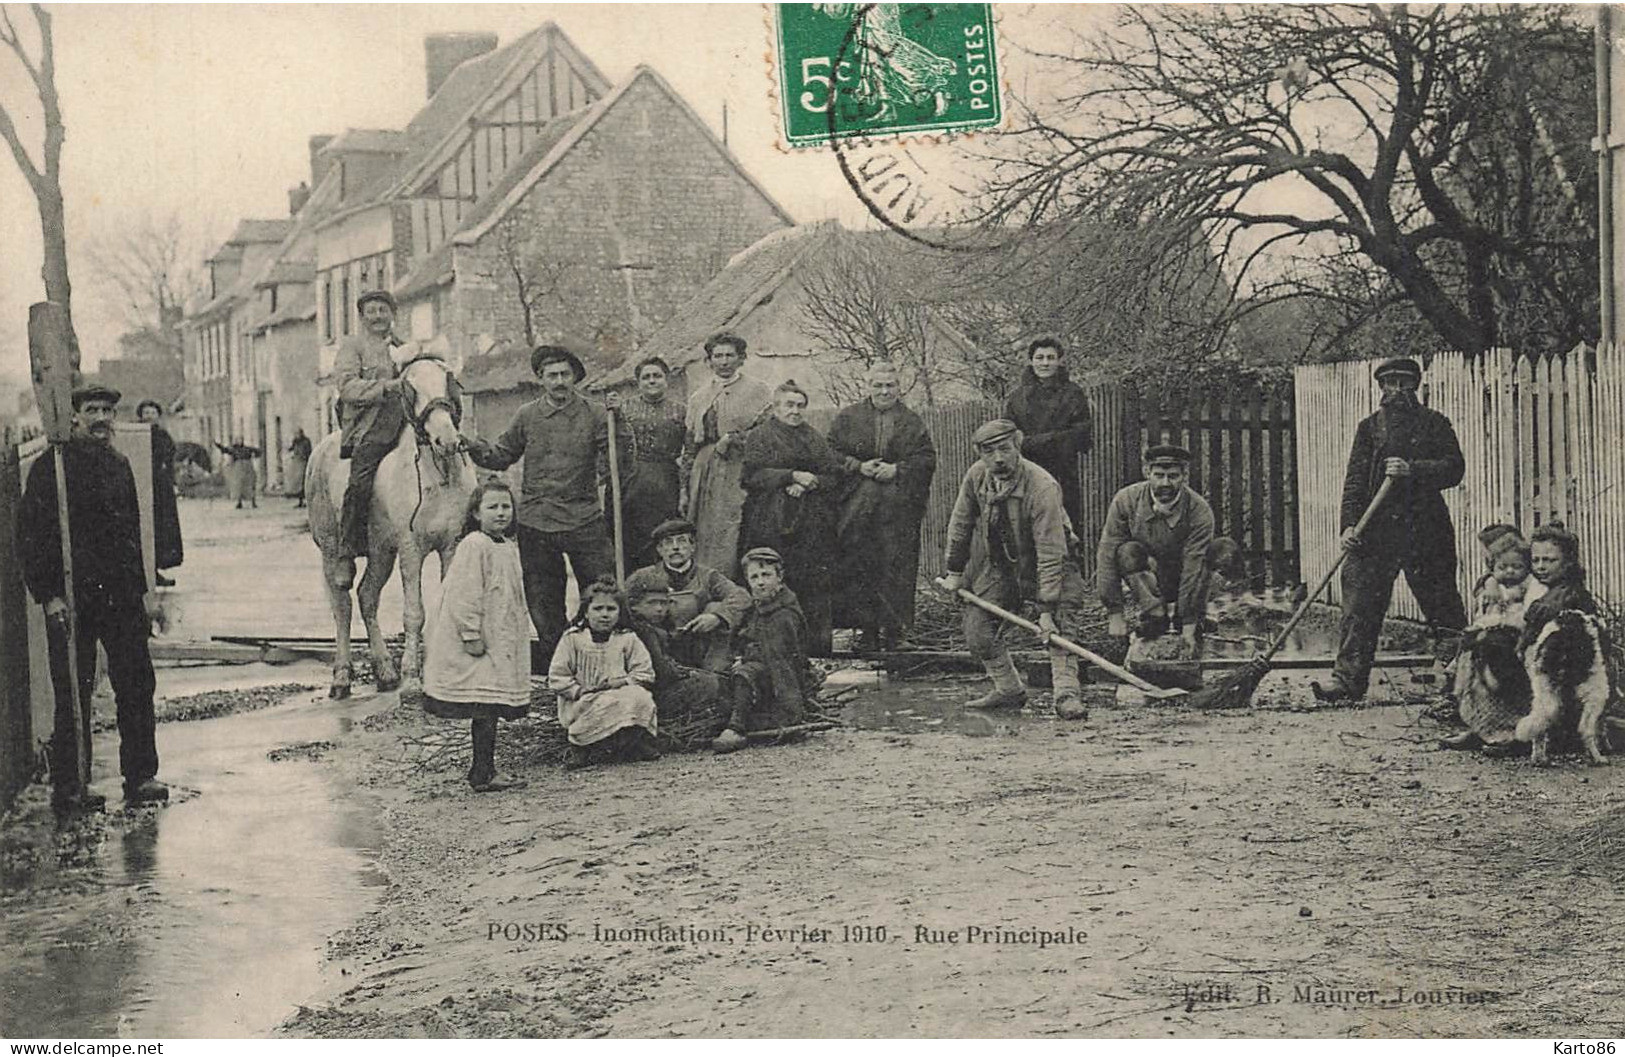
{"x": 367, "y": 141}
{"x": 260, "y": 231}
{"x": 287, "y": 270}
{"x": 751, "y": 276}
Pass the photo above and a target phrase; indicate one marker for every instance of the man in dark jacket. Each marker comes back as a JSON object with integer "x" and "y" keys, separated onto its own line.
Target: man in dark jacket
{"x": 1053, "y": 415}
{"x": 1409, "y": 533}
{"x": 370, "y": 412}
{"x": 112, "y": 603}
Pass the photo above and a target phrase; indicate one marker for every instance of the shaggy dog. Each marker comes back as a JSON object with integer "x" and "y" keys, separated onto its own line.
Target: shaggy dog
{"x": 1568, "y": 674}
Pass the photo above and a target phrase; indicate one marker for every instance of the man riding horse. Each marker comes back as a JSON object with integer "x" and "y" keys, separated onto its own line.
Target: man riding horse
{"x": 370, "y": 412}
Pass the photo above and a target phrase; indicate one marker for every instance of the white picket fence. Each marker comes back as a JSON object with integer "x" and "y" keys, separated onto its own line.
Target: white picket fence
{"x": 1544, "y": 439}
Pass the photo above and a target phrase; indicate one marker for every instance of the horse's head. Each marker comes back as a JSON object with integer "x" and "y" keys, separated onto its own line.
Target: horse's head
{"x": 433, "y": 403}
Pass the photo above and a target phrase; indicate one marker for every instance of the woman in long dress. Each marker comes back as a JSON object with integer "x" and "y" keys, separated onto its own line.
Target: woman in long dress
{"x": 655, "y": 434}
{"x": 719, "y": 414}
{"x": 166, "y": 517}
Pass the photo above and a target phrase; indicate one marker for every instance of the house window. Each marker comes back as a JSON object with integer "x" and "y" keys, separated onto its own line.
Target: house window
{"x": 327, "y": 307}
{"x": 344, "y": 302}
{"x": 273, "y": 299}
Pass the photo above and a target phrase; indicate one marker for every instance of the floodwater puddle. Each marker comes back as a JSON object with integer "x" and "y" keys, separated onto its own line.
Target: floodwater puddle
{"x": 208, "y": 917}
{"x": 928, "y": 706}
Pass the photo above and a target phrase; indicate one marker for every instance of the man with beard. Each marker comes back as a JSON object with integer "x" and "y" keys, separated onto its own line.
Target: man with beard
{"x": 370, "y": 413}
{"x": 564, "y": 440}
{"x": 1053, "y": 415}
{"x": 889, "y": 460}
{"x": 1158, "y": 539}
{"x": 706, "y": 606}
{"x": 1410, "y": 532}
{"x": 166, "y": 518}
{"x": 1010, "y": 542}
{"x": 112, "y": 604}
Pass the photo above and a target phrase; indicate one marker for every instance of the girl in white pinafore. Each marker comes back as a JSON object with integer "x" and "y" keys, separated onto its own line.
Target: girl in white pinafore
{"x": 602, "y": 674}
{"x": 477, "y": 649}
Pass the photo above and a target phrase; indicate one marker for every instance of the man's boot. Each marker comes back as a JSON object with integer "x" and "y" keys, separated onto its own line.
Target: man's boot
{"x": 1007, "y": 692}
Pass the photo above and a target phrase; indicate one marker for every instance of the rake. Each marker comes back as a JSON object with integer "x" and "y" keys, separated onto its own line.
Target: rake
{"x": 1237, "y": 688}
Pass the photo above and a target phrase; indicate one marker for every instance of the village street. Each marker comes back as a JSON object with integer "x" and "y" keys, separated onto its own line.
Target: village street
{"x": 1149, "y": 872}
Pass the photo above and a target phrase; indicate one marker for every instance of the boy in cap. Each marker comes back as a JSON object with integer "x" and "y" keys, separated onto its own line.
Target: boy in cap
{"x": 1410, "y": 533}
{"x": 1158, "y": 539}
{"x": 772, "y": 644}
{"x": 1010, "y": 542}
{"x": 369, "y": 408}
{"x": 112, "y": 604}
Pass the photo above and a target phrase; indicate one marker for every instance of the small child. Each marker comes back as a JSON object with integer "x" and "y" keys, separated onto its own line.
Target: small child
{"x": 681, "y": 693}
{"x": 1554, "y": 556}
{"x": 1503, "y": 593}
{"x": 602, "y": 673}
{"x": 773, "y": 641}
{"x": 477, "y": 650}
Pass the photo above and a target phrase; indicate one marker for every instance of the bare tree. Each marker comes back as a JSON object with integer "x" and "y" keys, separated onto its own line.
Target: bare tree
{"x": 44, "y": 177}
{"x": 550, "y": 291}
{"x": 150, "y": 265}
{"x": 1448, "y": 147}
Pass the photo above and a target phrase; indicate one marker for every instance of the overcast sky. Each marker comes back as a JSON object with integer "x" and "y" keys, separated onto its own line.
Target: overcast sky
{"x": 206, "y": 110}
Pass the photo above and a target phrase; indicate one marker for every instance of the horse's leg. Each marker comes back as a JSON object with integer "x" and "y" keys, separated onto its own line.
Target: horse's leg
{"x": 411, "y": 563}
{"x": 379, "y": 566}
{"x": 338, "y": 573}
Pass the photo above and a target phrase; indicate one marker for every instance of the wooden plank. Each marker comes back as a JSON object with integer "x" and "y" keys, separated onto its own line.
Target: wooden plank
{"x": 1235, "y": 438}
{"x": 1215, "y": 492}
{"x": 1277, "y": 492}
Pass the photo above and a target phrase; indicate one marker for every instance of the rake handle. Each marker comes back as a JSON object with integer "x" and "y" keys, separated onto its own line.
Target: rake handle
{"x": 1303, "y": 607}
{"x": 1121, "y": 673}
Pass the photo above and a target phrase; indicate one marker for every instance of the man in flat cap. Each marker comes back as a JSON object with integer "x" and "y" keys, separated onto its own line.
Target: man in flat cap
{"x": 706, "y": 606}
{"x": 564, "y": 440}
{"x": 1010, "y": 542}
{"x": 1158, "y": 539}
{"x": 1409, "y": 533}
{"x": 369, "y": 406}
{"x": 113, "y": 605}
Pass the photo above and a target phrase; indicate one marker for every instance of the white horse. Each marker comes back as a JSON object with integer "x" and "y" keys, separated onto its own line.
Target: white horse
{"x": 418, "y": 503}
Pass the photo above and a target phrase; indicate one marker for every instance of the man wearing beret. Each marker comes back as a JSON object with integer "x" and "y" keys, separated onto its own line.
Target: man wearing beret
{"x": 1409, "y": 533}
{"x": 1010, "y": 542}
{"x": 369, "y": 407}
{"x": 706, "y": 606}
{"x": 564, "y": 441}
{"x": 112, "y": 603}
{"x": 1157, "y": 538}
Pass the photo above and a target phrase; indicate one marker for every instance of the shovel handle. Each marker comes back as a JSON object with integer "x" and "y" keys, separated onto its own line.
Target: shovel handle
{"x": 1122, "y": 674}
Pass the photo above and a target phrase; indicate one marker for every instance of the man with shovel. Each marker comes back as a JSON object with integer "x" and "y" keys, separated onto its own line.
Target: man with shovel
{"x": 1410, "y": 531}
{"x": 1010, "y": 541}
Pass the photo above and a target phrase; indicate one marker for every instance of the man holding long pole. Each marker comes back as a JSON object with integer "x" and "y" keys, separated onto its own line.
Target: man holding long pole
{"x": 112, "y": 605}
{"x": 1010, "y": 541}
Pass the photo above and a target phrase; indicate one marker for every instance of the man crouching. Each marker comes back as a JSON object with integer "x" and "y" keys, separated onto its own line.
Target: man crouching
{"x": 1010, "y": 541}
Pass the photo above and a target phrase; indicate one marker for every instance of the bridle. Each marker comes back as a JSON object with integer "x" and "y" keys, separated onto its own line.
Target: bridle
{"x": 451, "y": 403}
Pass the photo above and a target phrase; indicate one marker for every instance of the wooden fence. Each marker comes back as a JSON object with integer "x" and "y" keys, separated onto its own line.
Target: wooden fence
{"x": 16, "y": 720}
{"x": 1543, "y": 439}
{"x": 1244, "y": 453}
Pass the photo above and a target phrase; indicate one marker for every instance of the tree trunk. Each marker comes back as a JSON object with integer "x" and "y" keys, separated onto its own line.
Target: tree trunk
{"x": 54, "y": 270}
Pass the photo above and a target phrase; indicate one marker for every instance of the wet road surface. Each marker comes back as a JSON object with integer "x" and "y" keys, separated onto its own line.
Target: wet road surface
{"x": 207, "y": 917}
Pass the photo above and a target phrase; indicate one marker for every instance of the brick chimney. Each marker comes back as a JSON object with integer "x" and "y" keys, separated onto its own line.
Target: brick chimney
{"x": 318, "y": 167}
{"x": 297, "y": 197}
{"x": 444, "y": 52}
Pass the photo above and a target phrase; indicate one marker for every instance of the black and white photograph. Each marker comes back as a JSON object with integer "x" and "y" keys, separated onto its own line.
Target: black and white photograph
{"x": 806, "y": 521}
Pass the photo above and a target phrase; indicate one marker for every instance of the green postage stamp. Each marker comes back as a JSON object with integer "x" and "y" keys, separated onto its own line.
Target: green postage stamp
{"x": 848, "y": 70}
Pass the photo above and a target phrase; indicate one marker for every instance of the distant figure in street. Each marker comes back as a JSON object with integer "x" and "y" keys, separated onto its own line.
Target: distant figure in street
{"x": 239, "y": 472}
{"x": 166, "y": 518}
{"x": 791, "y": 478}
{"x": 1010, "y": 542}
{"x": 298, "y": 460}
{"x": 1158, "y": 539}
{"x": 562, "y": 438}
{"x": 652, "y": 437}
{"x": 1409, "y": 533}
{"x": 889, "y": 461}
{"x": 112, "y": 604}
{"x": 477, "y": 652}
{"x": 370, "y": 412}
{"x": 1053, "y": 415}
{"x": 720, "y": 412}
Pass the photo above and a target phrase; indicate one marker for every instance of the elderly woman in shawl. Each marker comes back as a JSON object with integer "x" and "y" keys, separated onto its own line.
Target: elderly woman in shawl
{"x": 719, "y": 413}
{"x": 792, "y": 477}
{"x": 889, "y": 461}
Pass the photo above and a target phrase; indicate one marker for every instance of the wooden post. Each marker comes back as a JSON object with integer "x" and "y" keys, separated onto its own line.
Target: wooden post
{"x": 615, "y": 500}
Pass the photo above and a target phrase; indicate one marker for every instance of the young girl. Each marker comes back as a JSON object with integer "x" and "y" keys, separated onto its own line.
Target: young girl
{"x": 602, "y": 673}
{"x": 477, "y": 650}
{"x": 1503, "y": 593}
{"x": 1565, "y": 649}
{"x": 773, "y": 640}
{"x": 1554, "y": 557}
